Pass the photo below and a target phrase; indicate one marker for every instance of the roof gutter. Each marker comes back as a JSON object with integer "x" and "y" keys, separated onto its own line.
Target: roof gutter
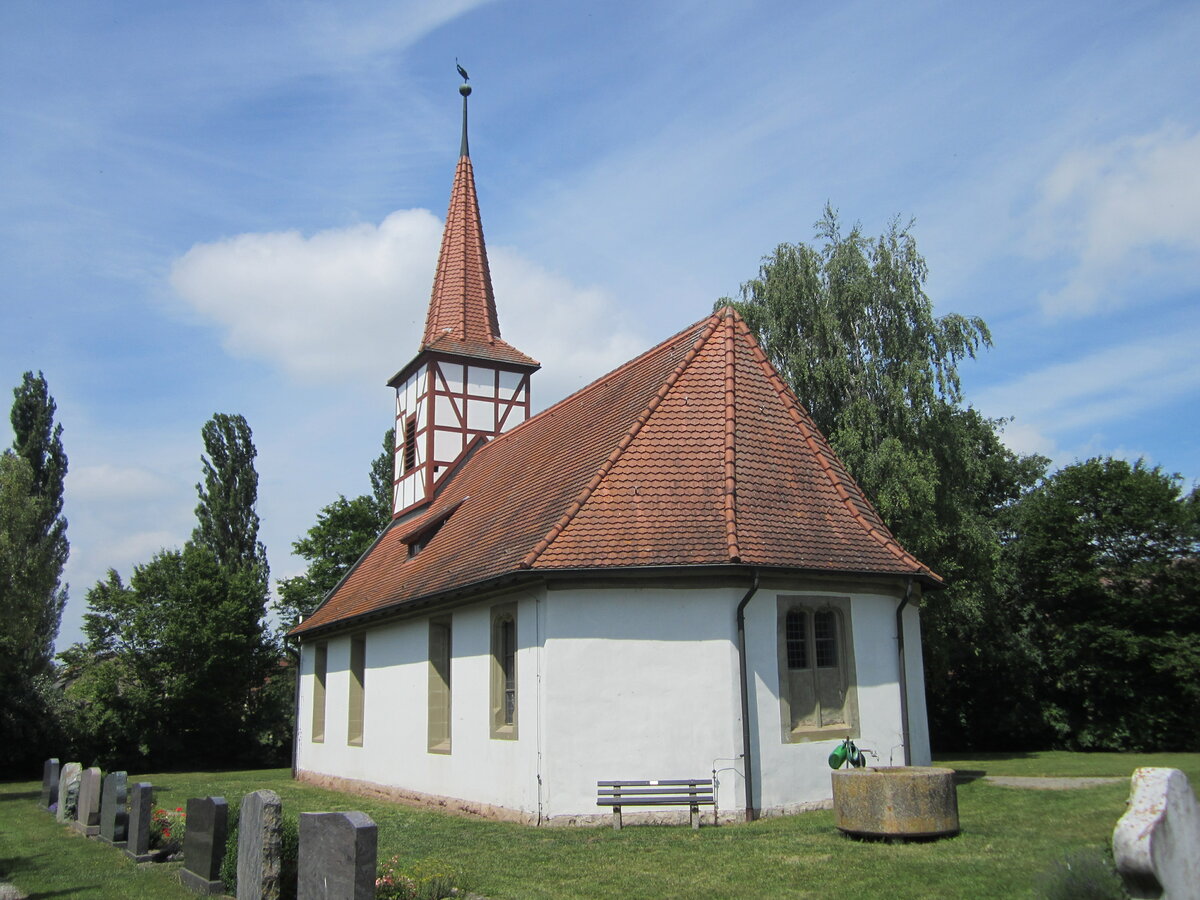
{"x": 904, "y": 729}
{"x": 743, "y": 678}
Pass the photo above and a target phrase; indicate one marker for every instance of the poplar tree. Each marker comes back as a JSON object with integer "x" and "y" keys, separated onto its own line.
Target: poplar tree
{"x": 38, "y": 441}
{"x": 226, "y": 520}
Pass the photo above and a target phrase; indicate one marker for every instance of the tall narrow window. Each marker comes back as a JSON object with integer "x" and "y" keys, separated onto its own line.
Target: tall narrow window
{"x": 439, "y": 684}
{"x": 817, "y": 694}
{"x": 410, "y": 444}
{"x": 320, "y": 669}
{"x": 504, "y": 671}
{"x": 356, "y": 704}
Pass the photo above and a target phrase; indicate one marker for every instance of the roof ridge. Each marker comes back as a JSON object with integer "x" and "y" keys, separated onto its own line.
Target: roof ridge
{"x": 827, "y": 463}
{"x": 730, "y": 485}
{"x": 577, "y": 504}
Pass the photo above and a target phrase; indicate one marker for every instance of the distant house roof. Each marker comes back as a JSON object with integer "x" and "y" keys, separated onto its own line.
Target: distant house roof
{"x": 693, "y": 454}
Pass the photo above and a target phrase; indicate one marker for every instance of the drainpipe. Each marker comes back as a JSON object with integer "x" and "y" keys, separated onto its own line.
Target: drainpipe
{"x": 747, "y": 761}
{"x": 904, "y": 729}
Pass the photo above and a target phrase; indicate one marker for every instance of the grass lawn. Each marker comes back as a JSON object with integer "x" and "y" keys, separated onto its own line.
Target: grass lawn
{"x": 1009, "y": 836}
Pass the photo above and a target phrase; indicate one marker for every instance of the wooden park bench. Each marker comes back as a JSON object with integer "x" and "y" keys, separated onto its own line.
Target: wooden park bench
{"x": 690, "y": 792}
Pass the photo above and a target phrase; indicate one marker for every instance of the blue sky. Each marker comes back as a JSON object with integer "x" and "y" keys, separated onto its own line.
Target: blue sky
{"x": 236, "y": 206}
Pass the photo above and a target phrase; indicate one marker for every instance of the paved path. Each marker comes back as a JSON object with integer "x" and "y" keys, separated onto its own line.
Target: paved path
{"x": 1050, "y": 783}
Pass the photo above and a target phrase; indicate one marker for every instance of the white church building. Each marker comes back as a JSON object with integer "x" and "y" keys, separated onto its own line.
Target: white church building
{"x": 665, "y": 575}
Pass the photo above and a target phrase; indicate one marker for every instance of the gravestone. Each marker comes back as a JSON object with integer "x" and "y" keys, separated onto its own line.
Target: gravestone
{"x": 87, "y": 816}
{"x": 114, "y": 820}
{"x": 1156, "y": 844}
{"x": 260, "y": 846}
{"x": 49, "y": 783}
{"x": 204, "y": 845}
{"x": 68, "y": 791}
{"x": 337, "y": 856}
{"x": 141, "y": 808}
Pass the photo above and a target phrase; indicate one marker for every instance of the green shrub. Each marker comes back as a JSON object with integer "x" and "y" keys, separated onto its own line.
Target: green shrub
{"x": 425, "y": 879}
{"x": 1082, "y": 875}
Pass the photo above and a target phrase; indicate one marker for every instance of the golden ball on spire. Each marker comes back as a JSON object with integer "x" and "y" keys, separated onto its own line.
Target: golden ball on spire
{"x": 465, "y": 90}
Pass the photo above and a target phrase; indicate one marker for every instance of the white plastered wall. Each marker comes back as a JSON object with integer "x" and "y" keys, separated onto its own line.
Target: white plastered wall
{"x": 394, "y": 750}
{"x": 612, "y": 683}
{"x": 640, "y": 683}
{"x": 791, "y": 775}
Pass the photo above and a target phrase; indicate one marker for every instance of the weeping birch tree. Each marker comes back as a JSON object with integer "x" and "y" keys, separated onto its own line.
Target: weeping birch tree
{"x": 847, "y": 323}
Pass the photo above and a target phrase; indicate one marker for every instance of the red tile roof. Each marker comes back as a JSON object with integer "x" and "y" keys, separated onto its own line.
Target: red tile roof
{"x": 692, "y": 454}
{"x": 462, "y": 310}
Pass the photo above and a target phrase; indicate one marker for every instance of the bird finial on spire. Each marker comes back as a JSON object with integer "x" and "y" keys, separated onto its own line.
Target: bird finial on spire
{"x": 465, "y": 90}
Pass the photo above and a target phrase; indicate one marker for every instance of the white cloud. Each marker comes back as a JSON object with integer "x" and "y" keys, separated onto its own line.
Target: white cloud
{"x": 114, "y": 482}
{"x": 1127, "y": 214}
{"x": 349, "y": 303}
{"x": 1052, "y": 405}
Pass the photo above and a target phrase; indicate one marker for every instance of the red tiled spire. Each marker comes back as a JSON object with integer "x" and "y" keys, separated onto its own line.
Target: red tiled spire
{"x": 462, "y": 309}
{"x": 463, "y": 305}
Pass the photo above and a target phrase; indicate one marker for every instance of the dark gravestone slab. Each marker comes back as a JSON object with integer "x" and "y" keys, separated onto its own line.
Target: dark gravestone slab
{"x": 260, "y": 846}
{"x": 49, "y": 783}
{"x": 337, "y": 856}
{"x": 114, "y": 820}
{"x": 141, "y": 808}
{"x": 204, "y": 845}
{"x": 68, "y": 791}
{"x": 87, "y": 817}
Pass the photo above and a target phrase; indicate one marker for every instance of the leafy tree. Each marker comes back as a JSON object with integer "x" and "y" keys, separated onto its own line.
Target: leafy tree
{"x": 226, "y": 521}
{"x": 1107, "y": 556}
{"x": 38, "y": 440}
{"x": 178, "y": 666}
{"x": 180, "y": 661}
{"x": 848, "y": 325}
{"x": 345, "y": 529}
{"x": 33, "y": 551}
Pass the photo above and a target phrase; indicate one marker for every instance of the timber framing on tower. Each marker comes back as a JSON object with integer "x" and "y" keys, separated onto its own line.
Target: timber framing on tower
{"x": 466, "y": 382}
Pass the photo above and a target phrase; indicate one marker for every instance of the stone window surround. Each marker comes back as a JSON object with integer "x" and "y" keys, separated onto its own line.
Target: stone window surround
{"x": 356, "y": 693}
{"x": 320, "y": 674}
{"x": 810, "y": 604}
{"x": 499, "y": 728}
{"x": 441, "y": 655}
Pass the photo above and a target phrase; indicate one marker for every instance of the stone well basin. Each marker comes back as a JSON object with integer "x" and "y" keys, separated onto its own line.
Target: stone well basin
{"x": 897, "y": 802}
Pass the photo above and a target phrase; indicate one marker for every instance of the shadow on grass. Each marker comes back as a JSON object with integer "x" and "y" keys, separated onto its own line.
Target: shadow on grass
{"x": 67, "y": 892}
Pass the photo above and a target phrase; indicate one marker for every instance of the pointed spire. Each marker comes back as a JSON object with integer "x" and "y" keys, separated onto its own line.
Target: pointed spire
{"x": 463, "y": 304}
{"x": 462, "y": 309}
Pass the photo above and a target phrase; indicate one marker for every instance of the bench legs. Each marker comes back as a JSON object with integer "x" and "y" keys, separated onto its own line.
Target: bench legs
{"x": 616, "y": 818}
{"x": 695, "y": 818}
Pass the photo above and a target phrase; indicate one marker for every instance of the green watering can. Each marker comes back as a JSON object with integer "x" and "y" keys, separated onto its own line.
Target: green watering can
{"x": 846, "y": 752}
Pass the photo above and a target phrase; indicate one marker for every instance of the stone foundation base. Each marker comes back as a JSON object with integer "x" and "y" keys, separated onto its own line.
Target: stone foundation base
{"x": 87, "y": 830}
{"x": 680, "y": 816}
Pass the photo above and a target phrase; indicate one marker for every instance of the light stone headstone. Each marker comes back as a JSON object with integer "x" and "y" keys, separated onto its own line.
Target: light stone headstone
{"x": 87, "y": 816}
{"x": 337, "y": 856}
{"x": 260, "y": 846}
{"x": 204, "y": 845}
{"x": 49, "y": 783}
{"x": 114, "y": 820}
{"x": 68, "y": 788}
{"x": 1156, "y": 844}
{"x": 141, "y": 808}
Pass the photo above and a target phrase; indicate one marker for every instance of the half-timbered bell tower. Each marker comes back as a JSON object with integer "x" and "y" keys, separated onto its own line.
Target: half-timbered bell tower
{"x": 465, "y": 382}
